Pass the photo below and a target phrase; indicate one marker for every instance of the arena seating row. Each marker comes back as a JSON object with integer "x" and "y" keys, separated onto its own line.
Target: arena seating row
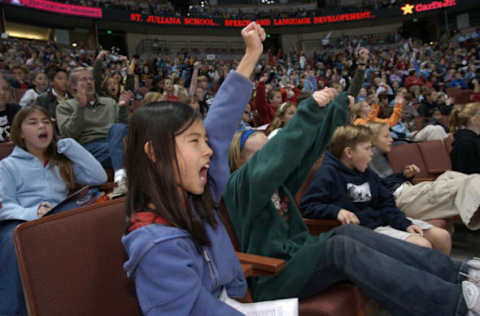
{"x": 86, "y": 277}
{"x": 98, "y": 230}
{"x": 432, "y": 157}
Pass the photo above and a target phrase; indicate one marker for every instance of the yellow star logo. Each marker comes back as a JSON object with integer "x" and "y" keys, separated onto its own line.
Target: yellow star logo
{"x": 407, "y": 9}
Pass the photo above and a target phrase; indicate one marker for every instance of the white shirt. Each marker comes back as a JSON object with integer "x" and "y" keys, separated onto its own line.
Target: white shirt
{"x": 29, "y": 97}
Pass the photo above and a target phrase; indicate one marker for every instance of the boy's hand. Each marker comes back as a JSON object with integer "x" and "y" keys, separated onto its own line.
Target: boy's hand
{"x": 324, "y": 96}
{"x": 414, "y": 229}
{"x": 346, "y": 217}
{"x": 411, "y": 171}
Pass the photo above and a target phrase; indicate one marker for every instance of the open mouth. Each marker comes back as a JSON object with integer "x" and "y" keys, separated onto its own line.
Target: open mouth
{"x": 43, "y": 136}
{"x": 203, "y": 173}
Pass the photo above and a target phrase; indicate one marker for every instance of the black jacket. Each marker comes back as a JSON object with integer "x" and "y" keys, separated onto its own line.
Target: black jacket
{"x": 10, "y": 110}
{"x": 48, "y": 101}
{"x": 336, "y": 187}
{"x": 465, "y": 153}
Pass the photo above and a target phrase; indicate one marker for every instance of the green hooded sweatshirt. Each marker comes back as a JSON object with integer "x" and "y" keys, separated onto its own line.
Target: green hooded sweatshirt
{"x": 281, "y": 167}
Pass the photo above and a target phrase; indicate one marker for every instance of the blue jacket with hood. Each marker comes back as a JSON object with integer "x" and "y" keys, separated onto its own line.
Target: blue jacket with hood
{"x": 173, "y": 276}
{"x": 336, "y": 187}
{"x": 25, "y": 182}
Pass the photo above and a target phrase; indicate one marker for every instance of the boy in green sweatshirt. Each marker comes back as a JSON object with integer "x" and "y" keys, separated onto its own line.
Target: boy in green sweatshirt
{"x": 260, "y": 201}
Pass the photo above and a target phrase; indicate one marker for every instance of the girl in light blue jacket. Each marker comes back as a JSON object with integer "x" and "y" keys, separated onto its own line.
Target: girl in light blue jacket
{"x": 35, "y": 177}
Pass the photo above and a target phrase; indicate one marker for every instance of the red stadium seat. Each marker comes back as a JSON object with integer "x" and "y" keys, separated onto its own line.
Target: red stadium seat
{"x": 435, "y": 156}
{"x": 6, "y": 149}
{"x": 402, "y": 155}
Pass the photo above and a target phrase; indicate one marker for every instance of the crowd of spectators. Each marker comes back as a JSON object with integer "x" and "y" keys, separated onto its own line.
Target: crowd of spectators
{"x": 88, "y": 96}
{"x": 426, "y": 70}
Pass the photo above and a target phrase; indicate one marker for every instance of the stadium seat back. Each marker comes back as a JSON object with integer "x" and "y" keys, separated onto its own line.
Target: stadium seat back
{"x": 435, "y": 156}
{"x": 71, "y": 263}
{"x": 6, "y": 149}
{"x": 402, "y": 155}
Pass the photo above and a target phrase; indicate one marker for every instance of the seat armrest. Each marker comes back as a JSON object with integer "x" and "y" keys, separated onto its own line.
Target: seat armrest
{"x": 247, "y": 269}
{"x": 317, "y": 226}
{"x": 261, "y": 264}
{"x": 437, "y": 171}
{"x": 418, "y": 180}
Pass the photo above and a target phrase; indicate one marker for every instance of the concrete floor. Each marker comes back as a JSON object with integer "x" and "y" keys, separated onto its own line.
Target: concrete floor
{"x": 466, "y": 243}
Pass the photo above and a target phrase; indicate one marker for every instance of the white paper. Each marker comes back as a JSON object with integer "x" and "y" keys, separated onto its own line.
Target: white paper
{"x": 284, "y": 307}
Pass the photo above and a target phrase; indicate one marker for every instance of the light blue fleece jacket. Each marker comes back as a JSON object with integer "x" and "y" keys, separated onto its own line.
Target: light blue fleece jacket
{"x": 25, "y": 182}
{"x": 174, "y": 276}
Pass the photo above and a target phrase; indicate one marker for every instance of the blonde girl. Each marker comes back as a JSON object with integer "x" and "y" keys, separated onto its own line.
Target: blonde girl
{"x": 283, "y": 115}
{"x": 465, "y": 126}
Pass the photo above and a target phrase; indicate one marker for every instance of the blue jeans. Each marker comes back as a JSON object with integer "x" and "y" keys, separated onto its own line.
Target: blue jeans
{"x": 403, "y": 278}
{"x": 12, "y": 301}
{"x": 109, "y": 151}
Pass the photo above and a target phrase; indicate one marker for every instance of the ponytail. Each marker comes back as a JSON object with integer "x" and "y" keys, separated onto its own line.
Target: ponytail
{"x": 462, "y": 114}
{"x": 455, "y": 121}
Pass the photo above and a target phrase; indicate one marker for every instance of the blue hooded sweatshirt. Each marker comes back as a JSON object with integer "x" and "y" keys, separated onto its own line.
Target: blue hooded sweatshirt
{"x": 25, "y": 182}
{"x": 173, "y": 275}
{"x": 337, "y": 187}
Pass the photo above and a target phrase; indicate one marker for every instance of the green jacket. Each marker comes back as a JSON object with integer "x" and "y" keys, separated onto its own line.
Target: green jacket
{"x": 86, "y": 124}
{"x": 282, "y": 166}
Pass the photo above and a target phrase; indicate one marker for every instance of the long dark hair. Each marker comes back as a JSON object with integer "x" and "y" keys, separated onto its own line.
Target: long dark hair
{"x": 154, "y": 181}
{"x": 64, "y": 164}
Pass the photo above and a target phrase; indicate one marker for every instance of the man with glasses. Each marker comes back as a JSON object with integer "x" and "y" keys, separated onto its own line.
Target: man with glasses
{"x": 98, "y": 123}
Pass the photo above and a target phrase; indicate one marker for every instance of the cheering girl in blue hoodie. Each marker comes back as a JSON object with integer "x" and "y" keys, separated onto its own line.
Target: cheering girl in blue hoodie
{"x": 34, "y": 178}
{"x": 180, "y": 255}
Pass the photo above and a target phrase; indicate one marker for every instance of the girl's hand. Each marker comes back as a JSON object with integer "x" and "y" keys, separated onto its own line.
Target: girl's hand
{"x": 414, "y": 229}
{"x": 346, "y": 217}
{"x": 253, "y": 36}
{"x": 43, "y": 208}
{"x": 324, "y": 96}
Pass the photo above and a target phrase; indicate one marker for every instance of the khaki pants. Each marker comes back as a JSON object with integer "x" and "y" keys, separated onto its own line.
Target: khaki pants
{"x": 451, "y": 194}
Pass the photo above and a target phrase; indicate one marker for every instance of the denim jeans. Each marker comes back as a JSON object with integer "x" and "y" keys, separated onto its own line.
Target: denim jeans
{"x": 403, "y": 278}
{"x": 12, "y": 302}
{"x": 109, "y": 151}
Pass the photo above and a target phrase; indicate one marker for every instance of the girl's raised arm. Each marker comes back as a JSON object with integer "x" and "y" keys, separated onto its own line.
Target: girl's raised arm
{"x": 86, "y": 168}
{"x": 228, "y": 106}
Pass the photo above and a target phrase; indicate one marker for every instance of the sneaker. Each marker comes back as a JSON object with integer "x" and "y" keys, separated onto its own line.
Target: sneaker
{"x": 474, "y": 263}
{"x": 119, "y": 190}
{"x": 471, "y": 294}
{"x": 474, "y": 271}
